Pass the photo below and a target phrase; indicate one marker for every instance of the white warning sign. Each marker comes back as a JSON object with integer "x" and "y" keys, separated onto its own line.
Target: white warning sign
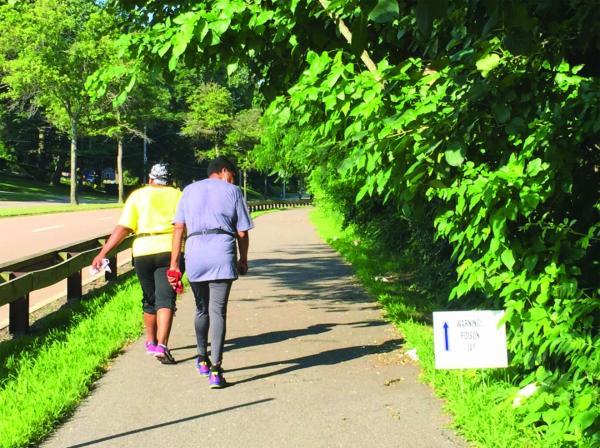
{"x": 469, "y": 339}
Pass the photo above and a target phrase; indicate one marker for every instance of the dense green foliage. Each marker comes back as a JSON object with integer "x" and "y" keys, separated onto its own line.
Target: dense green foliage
{"x": 480, "y": 118}
{"x": 210, "y": 114}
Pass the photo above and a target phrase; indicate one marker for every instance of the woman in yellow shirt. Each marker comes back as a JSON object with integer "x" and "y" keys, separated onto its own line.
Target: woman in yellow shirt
{"x": 149, "y": 213}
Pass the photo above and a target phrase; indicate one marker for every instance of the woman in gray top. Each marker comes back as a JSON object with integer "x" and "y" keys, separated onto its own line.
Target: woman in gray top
{"x": 214, "y": 215}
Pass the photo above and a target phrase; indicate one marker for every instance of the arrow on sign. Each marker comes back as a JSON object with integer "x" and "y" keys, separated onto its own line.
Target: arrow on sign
{"x": 446, "y": 335}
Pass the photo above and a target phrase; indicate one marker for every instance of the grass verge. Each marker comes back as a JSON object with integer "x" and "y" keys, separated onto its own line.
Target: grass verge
{"x": 22, "y": 189}
{"x": 46, "y": 375}
{"x": 480, "y": 401}
{"x": 6, "y": 212}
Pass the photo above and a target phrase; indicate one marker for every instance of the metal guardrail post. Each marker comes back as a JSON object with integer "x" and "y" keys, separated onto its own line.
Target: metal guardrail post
{"x": 20, "y": 277}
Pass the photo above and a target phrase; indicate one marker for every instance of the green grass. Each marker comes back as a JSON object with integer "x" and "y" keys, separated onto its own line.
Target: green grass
{"x": 46, "y": 375}
{"x": 27, "y": 190}
{"x": 22, "y": 189}
{"x": 480, "y": 401}
{"x": 16, "y": 189}
{"x": 6, "y": 212}
{"x": 265, "y": 212}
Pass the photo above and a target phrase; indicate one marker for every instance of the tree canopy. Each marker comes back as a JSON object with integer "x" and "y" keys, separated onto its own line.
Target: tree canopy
{"x": 49, "y": 48}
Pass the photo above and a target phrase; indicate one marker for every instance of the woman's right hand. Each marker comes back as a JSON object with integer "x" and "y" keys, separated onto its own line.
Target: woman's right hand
{"x": 174, "y": 279}
{"x": 97, "y": 262}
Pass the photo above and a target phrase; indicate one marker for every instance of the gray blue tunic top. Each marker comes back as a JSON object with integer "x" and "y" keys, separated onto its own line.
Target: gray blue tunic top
{"x": 212, "y": 204}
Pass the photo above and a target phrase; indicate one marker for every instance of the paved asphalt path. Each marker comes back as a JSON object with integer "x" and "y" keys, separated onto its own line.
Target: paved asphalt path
{"x": 309, "y": 360}
{"x": 29, "y": 235}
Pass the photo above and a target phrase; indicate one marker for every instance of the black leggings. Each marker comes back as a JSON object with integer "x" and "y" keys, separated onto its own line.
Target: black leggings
{"x": 152, "y": 273}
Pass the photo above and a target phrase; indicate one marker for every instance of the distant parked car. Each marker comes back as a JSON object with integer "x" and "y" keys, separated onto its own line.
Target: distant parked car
{"x": 90, "y": 176}
{"x": 109, "y": 175}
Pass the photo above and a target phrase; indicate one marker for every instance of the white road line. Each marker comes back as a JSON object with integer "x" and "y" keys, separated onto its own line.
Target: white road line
{"x": 43, "y": 229}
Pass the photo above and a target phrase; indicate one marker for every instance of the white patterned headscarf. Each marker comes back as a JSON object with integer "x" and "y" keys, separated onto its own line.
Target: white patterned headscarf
{"x": 160, "y": 173}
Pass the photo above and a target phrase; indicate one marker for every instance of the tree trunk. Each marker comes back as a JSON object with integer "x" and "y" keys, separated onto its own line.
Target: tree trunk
{"x": 60, "y": 166}
{"x": 120, "y": 168}
{"x": 266, "y": 185}
{"x": 246, "y": 184}
{"x": 42, "y": 159}
{"x": 145, "y": 152}
{"x": 41, "y": 140}
{"x": 73, "y": 195}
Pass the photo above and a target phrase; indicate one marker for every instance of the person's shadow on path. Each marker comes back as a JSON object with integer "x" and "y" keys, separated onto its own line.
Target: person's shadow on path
{"x": 169, "y": 423}
{"x": 328, "y": 357}
{"x": 313, "y": 276}
{"x": 274, "y": 337}
{"x": 283, "y": 335}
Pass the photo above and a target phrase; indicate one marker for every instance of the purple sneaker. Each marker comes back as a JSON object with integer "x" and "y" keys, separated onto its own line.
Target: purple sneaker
{"x": 150, "y": 347}
{"x": 216, "y": 380}
{"x": 203, "y": 367}
{"x": 163, "y": 354}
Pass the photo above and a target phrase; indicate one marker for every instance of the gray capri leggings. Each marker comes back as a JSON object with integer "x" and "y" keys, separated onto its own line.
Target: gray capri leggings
{"x": 211, "y": 316}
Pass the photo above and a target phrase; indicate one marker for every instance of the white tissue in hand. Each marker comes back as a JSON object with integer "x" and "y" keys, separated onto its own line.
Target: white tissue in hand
{"x": 104, "y": 268}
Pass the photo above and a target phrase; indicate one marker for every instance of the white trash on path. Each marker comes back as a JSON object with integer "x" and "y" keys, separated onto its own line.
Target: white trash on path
{"x": 412, "y": 354}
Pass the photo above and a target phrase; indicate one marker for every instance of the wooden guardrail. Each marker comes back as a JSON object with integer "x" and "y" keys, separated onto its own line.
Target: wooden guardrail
{"x": 20, "y": 277}
{"x": 23, "y": 276}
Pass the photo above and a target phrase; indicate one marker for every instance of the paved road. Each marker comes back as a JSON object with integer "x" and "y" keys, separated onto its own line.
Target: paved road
{"x": 309, "y": 360}
{"x": 28, "y": 235}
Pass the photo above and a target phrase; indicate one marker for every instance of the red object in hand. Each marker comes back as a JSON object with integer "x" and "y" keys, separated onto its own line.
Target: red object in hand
{"x": 176, "y": 282}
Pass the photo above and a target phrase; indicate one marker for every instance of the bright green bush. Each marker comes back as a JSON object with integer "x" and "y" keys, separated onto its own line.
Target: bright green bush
{"x": 498, "y": 149}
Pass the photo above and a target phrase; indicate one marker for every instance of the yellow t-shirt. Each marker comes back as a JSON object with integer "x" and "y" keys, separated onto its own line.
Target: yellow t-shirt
{"x": 151, "y": 209}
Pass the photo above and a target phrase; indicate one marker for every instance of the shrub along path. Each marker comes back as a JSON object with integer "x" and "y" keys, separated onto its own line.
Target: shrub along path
{"x": 309, "y": 359}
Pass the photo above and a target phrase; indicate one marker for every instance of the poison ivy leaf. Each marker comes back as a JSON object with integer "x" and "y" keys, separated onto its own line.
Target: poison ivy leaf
{"x": 231, "y": 68}
{"x": 385, "y": 11}
{"x": 501, "y": 112}
{"x": 585, "y": 419}
{"x": 534, "y": 167}
{"x": 583, "y": 402}
{"x": 508, "y": 258}
{"x": 487, "y": 63}
{"x": 455, "y": 154}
